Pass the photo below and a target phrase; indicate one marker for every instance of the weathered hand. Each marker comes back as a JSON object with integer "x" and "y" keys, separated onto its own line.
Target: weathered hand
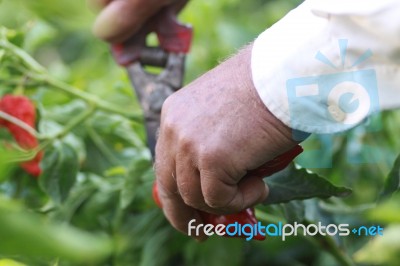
{"x": 212, "y": 132}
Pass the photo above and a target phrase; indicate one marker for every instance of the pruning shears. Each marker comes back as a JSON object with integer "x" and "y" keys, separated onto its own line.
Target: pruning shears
{"x": 152, "y": 89}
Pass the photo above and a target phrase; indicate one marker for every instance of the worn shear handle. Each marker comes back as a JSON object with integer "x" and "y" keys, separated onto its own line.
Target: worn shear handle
{"x": 173, "y": 37}
{"x": 134, "y": 54}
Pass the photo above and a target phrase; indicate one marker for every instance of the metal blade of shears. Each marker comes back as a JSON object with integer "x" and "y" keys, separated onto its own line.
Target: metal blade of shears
{"x": 152, "y": 89}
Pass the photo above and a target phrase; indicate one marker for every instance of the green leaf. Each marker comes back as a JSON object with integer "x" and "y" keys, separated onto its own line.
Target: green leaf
{"x": 299, "y": 184}
{"x": 8, "y": 262}
{"x": 60, "y": 167}
{"x": 216, "y": 251}
{"x": 23, "y": 233}
{"x": 100, "y": 209}
{"x": 387, "y": 211}
{"x": 392, "y": 184}
{"x": 119, "y": 128}
{"x": 50, "y": 128}
{"x": 79, "y": 194}
{"x": 137, "y": 171}
{"x": 63, "y": 113}
{"x": 152, "y": 247}
{"x": 294, "y": 211}
{"x": 40, "y": 33}
{"x": 384, "y": 250}
{"x": 6, "y": 161}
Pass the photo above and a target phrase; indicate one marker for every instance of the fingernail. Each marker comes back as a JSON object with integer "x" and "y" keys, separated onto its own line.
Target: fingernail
{"x": 103, "y": 27}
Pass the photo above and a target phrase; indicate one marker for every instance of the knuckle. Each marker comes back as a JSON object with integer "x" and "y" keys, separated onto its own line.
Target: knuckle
{"x": 186, "y": 143}
{"x": 168, "y": 104}
{"x": 168, "y": 117}
{"x": 210, "y": 157}
{"x": 167, "y": 124}
{"x": 184, "y": 190}
{"x": 188, "y": 200}
{"x": 159, "y": 167}
{"x": 205, "y": 159}
{"x": 166, "y": 190}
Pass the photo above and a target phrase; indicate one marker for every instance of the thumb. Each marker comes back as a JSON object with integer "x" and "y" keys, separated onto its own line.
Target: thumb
{"x": 251, "y": 191}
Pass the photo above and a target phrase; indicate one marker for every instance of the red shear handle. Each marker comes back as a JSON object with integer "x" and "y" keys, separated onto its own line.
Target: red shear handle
{"x": 173, "y": 37}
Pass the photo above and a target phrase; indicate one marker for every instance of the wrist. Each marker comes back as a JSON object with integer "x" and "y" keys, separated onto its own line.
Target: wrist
{"x": 243, "y": 77}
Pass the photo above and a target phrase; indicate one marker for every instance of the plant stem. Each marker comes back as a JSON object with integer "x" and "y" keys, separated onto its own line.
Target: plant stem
{"x": 19, "y": 123}
{"x": 101, "y": 146}
{"x": 91, "y": 99}
{"x": 21, "y": 155}
{"x": 74, "y": 123}
{"x": 28, "y": 60}
{"x": 11, "y": 82}
{"x": 39, "y": 74}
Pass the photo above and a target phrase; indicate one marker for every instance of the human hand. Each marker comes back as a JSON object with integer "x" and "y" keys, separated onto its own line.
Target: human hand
{"x": 120, "y": 19}
{"x": 212, "y": 133}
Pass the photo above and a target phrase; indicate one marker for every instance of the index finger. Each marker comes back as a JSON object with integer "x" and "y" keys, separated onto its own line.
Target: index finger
{"x": 98, "y": 4}
{"x": 176, "y": 211}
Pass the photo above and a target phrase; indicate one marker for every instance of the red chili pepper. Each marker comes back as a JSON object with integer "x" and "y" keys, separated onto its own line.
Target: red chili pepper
{"x": 22, "y": 108}
{"x": 246, "y": 216}
{"x": 156, "y": 198}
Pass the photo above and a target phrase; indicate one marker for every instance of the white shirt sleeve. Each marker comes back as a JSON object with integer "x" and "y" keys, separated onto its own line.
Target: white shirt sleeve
{"x": 328, "y": 64}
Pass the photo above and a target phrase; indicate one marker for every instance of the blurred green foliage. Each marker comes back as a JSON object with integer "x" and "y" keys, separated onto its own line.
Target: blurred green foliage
{"x": 92, "y": 205}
